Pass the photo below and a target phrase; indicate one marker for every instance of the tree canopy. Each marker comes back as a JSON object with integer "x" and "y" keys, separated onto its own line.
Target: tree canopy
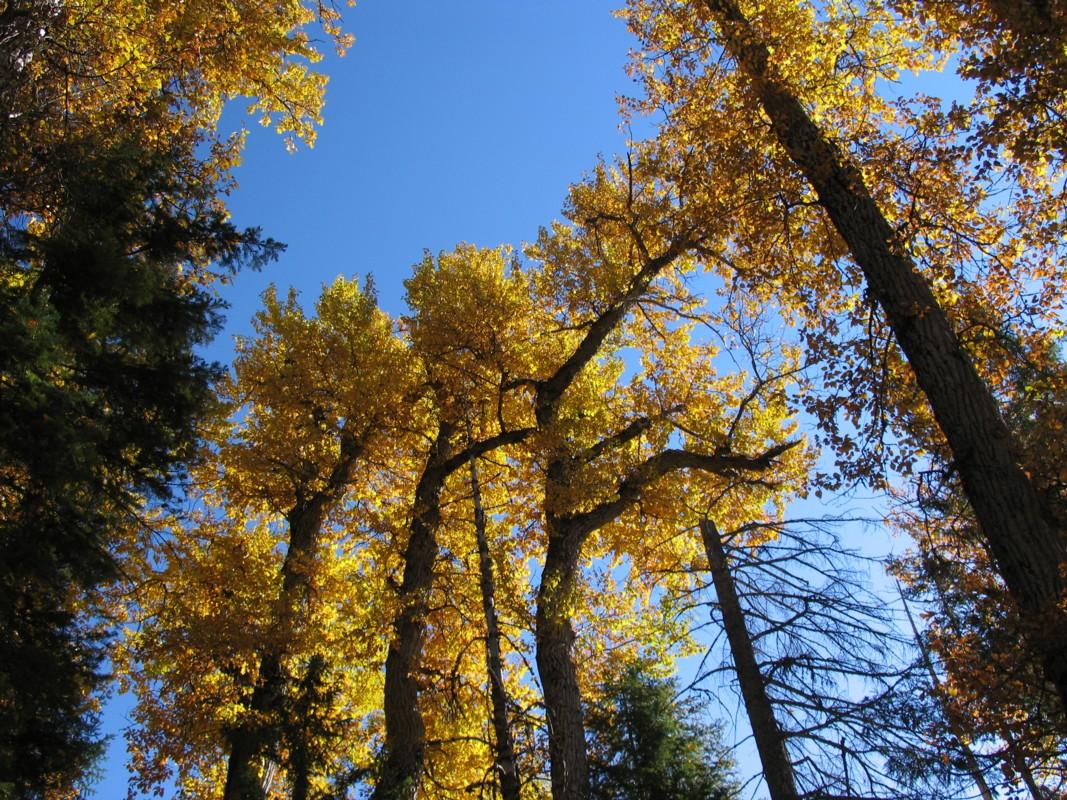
{"x": 457, "y": 549}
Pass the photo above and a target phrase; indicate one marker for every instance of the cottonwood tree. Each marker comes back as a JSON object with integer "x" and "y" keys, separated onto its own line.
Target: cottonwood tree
{"x": 314, "y": 406}
{"x": 604, "y": 448}
{"x": 830, "y": 176}
{"x": 108, "y": 72}
{"x": 506, "y": 765}
{"x": 469, "y": 326}
{"x": 1013, "y": 52}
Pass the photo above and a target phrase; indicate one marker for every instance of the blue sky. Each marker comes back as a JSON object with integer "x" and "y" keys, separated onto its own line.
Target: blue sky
{"x": 446, "y": 122}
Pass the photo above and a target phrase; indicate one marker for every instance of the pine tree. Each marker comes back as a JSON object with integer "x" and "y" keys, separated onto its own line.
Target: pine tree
{"x": 647, "y": 745}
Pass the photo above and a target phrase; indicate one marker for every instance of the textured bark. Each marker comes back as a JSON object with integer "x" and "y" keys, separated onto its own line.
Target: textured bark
{"x": 305, "y": 520}
{"x": 1028, "y": 550}
{"x": 770, "y": 741}
{"x": 507, "y": 766}
{"x": 301, "y": 758}
{"x": 559, "y": 582}
{"x": 405, "y": 731}
{"x": 555, "y": 661}
{"x": 554, "y": 636}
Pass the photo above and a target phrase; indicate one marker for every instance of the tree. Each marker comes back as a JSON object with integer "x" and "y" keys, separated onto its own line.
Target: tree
{"x": 466, "y": 309}
{"x": 645, "y": 744}
{"x": 101, "y": 392}
{"x": 794, "y": 88}
{"x": 505, "y": 763}
{"x": 770, "y": 741}
{"x": 828, "y": 684}
{"x": 603, "y": 467}
{"x": 341, "y": 379}
{"x": 113, "y": 228}
{"x": 109, "y": 71}
{"x": 265, "y": 666}
{"x": 1014, "y": 53}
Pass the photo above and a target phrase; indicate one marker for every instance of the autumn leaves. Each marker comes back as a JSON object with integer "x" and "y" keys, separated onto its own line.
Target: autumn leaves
{"x": 348, "y": 454}
{"x": 413, "y": 548}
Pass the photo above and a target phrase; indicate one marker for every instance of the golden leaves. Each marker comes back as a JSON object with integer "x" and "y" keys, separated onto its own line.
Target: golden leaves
{"x": 307, "y": 490}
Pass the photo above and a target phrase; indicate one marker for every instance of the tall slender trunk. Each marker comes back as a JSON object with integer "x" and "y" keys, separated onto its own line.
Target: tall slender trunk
{"x": 555, "y": 662}
{"x": 770, "y": 741}
{"x": 1028, "y": 550}
{"x": 968, "y": 755}
{"x": 405, "y": 730}
{"x": 305, "y": 521}
{"x": 507, "y": 765}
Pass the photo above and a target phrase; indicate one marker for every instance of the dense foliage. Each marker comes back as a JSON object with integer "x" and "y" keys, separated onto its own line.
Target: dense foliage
{"x": 647, "y": 745}
{"x": 444, "y": 554}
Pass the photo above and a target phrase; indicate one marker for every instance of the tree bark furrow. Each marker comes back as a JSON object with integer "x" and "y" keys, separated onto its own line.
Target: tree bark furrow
{"x": 1028, "y": 550}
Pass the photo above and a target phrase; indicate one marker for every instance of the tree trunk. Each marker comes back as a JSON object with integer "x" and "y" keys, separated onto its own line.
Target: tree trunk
{"x": 1028, "y": 550}
{"x": 405, "y": 731}
{"x": 770, "y": 741}
{"x": 305, "y": 521}
{"x": 559, "y": 583}
{"x": 555, "y": 663}
{"x": 506, "y": 764}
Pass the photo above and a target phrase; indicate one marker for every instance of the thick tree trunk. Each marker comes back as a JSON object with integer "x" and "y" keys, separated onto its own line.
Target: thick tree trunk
{"x": 507, "y": 765}
{"x": 770, "y": 742}
{"x": 559, "y": 582}
{"x": 555, "y": 663}
{"x": 405, "y": 731}
{"x": 1028, "y": 550}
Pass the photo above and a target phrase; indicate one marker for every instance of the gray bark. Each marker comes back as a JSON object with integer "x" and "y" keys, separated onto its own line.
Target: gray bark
{"x": 559, "y": 581}
{"x": 1028, "y": 550}
{"x": 770, "y": 741}
{"x": 405, "y": 732}
{"x": 507, "y": 766}
{"x": 555, "y": 661}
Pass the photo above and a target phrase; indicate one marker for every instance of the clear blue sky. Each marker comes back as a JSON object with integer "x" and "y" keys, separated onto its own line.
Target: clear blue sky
{"x": 446, "y": 122}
